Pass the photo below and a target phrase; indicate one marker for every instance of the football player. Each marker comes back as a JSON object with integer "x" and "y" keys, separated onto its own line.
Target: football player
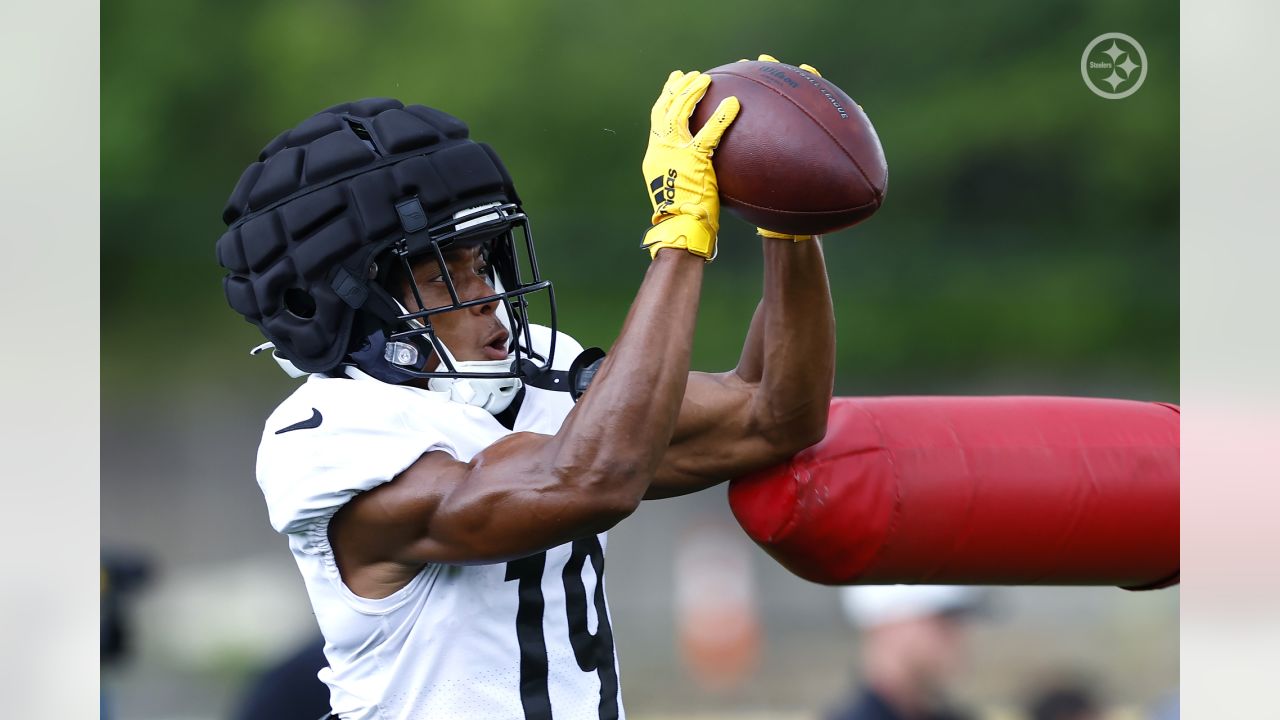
{"x": 448, "y": 471}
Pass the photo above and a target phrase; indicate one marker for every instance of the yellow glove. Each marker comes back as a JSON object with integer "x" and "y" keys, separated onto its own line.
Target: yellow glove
{"x": 802, "y": 66}
{"x": 782, "y": 236}
{"x": 769, "y": 233}
{"x": 677, "y": 168}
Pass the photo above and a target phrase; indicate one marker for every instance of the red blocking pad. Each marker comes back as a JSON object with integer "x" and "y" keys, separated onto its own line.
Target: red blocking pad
{"x": 977, "y": 491}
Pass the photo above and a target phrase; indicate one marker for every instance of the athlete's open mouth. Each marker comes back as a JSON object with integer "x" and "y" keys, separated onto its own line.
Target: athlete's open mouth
{"x": 496, "y": 348}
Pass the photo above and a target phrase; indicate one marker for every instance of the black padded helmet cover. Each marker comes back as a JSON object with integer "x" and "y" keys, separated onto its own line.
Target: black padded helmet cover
{"x": 323, "y": 195}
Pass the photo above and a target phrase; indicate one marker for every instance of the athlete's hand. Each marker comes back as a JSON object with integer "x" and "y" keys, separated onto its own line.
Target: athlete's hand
{"x": 762, "y": 231}
{"x": 678, "y": 175}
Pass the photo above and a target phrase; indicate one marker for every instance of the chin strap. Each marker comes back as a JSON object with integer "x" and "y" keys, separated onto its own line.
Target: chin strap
{"x": 574, "y": 381}
{"x": 497, "y": 394}
{"x": 492, "y": 395}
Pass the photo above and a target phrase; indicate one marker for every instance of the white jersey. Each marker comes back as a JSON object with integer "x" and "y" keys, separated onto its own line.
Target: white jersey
{"x": 524, "y": 639}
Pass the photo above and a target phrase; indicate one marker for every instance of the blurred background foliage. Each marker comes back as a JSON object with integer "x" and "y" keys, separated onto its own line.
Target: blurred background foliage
{"x": 1028, "y": 243}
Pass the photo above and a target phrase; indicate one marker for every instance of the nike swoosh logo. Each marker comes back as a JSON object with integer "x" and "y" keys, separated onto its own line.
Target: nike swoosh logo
{"x": 311, "y": 422}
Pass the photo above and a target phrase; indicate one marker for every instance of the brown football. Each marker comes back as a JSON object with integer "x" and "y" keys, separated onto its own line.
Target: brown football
{"x": 801, "y": 157}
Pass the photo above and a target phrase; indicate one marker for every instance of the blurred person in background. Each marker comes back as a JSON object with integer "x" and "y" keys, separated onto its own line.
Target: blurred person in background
{"x": 290, "y": 688}
{"x": 914, "y": 643}
{"x": 443, "y": 496}
{"x": 122, "y": 575}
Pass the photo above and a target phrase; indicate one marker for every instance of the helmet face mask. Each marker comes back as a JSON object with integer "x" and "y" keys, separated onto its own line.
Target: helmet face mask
{"x": 502, "y": 232}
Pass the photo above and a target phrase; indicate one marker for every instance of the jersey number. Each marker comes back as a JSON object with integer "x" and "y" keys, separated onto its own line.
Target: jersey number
{"x": 594, "y": 652}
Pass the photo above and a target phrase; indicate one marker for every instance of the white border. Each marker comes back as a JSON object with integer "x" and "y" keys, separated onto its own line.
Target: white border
{"x": 1230, "y": 352}
{"x": 49, "y": 203}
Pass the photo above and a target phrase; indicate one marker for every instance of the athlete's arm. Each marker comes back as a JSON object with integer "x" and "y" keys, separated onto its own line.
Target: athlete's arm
{"x": 528, "y": 492}
{"x": 774, "y": 404}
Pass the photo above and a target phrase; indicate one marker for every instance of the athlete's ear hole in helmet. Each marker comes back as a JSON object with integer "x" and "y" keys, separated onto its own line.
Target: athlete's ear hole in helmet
{"x": 300, "y": 303}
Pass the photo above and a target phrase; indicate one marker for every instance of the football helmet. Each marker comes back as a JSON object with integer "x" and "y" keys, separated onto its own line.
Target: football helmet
{"x": 334, "y": 210}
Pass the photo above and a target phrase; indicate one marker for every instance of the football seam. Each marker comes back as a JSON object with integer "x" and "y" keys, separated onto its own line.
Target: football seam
{"x": 875, "y": 201}
{"x": 865, "y": 179}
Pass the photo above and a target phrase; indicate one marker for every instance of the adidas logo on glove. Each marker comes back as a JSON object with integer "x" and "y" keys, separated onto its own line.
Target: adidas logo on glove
{"x": 664, "y": 194}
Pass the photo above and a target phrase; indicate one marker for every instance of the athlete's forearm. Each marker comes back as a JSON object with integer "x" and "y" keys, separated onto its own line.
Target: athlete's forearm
{"x": 775, "y": 402}
{"x": 619, "y": 430}
{"x": 529, "y": 491}
{"x": 792, "y": 342}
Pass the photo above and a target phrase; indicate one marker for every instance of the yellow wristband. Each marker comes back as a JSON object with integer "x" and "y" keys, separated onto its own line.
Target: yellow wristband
{"x": 684, "y": 232}
{"x": 782, "y": 236}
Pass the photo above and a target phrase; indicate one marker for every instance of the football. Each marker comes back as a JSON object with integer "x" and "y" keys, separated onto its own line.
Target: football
{"x": 801, "y": 157}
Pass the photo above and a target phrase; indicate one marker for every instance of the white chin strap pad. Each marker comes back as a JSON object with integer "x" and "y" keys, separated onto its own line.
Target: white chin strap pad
{"x": 491, "y": 395}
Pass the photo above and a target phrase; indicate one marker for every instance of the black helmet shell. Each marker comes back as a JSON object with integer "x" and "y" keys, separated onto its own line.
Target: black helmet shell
{"x": 323, "y": 195}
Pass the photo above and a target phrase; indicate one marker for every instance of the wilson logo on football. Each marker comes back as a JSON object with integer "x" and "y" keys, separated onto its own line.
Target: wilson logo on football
{"x": 664, "y": 190}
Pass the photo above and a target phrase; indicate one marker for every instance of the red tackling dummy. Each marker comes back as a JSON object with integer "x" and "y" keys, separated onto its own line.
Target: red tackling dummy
{"x": 976, "y": 491}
